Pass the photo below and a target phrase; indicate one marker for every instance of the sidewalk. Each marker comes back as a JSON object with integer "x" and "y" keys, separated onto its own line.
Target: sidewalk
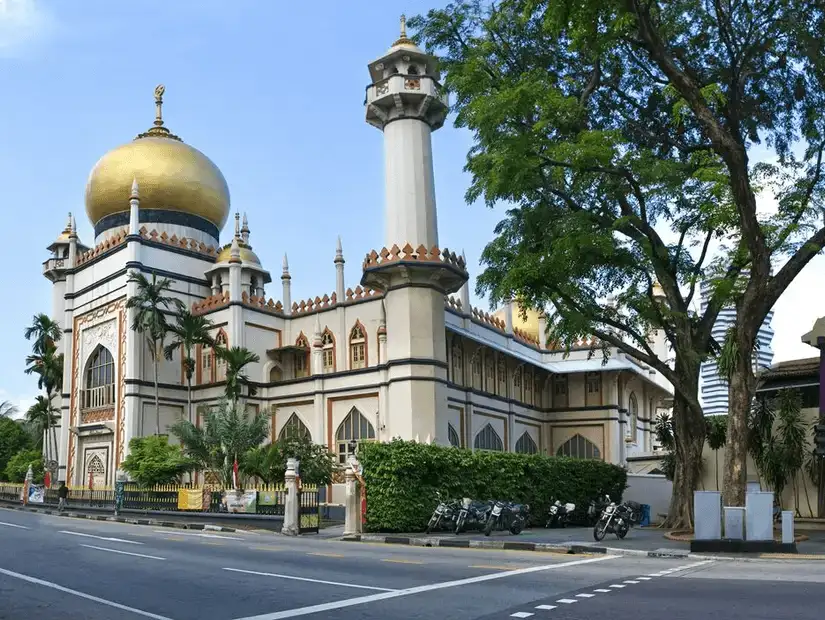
{"x": 648, "y": 541}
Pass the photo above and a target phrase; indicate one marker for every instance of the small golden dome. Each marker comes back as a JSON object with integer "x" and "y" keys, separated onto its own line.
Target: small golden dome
{"x": 172, "y": 176}
{"x": 247, "y": 255}
{"x": 529, "y": 326}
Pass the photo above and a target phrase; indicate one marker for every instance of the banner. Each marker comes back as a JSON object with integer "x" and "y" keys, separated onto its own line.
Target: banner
{"x": 37, "y": 493}
{"x": 240, "y": 501}
{"x": 190, "y": 499}
{"x": 267, "y": 498}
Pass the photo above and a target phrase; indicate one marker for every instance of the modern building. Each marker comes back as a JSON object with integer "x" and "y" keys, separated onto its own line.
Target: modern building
{"x": 392, "y": 350}
{"x": 714, "y": 387}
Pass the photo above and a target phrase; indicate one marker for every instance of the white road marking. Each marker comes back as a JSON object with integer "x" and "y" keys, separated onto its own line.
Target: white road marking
{"x": 314, "y": 609}
{"x": 545, "y": 607}
{"x": 631, "y": 581}
{"x": 602, "y": 591}
{"x": 139, "y": 555}
{"x": 89, "y": 597}
{"x": 521, "y": 614}
{"x": 585, "y": 595}
{"x": 656, "y": 575}
{"x": 567, "y": 601}
{"x": 643, "y": 578}
{"x": 108, "y": 538}
{"x": 198, "y": 534}
{"x": 329, "y": 583}
{"x": 617, "y": 585}
{"x": 22, "y": 527}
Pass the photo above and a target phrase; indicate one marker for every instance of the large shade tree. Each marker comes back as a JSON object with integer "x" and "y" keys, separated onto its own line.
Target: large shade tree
{"x": 633, "y": 120}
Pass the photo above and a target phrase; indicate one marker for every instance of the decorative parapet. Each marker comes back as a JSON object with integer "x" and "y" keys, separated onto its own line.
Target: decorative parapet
{"x": 261, "y": 303}
{"x": 525, "y": 337}
{"x": 489, "y": 319}
{"x": 213, "y": 302}
{"x": 408, "y": 254}
{"x": 452, "y": 302}
{"x": 361, "y": 292}
{"x": 107, "y": 244}
{"x": 193, "y": 245}
{"x": 587, "y": 342}
{"x": 313, "y": 305}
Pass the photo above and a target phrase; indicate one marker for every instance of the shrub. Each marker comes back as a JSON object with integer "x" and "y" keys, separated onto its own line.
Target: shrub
{"x": 18, "y": 466}
{"x": 402, "y": 479}
{"x": 153, "y": 461}
{"x": 269, "y": 462}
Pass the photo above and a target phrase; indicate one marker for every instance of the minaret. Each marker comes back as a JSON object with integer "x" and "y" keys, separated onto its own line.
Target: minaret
{"x": 339, "y": 272}
{"x": 317, "y": 348}
{"x": 406, "y": 102}
{"x": 286, "y": 283}
{"x": 245, "y": 230}
{"x": 657, "y": 336}
{"x": 236, "y": 330}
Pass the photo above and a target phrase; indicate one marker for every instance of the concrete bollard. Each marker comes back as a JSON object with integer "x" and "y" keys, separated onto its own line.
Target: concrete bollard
{"x": 787, "y": 527}
{"x": 291, "y": 505}
{"x": 734, "y": 523}
{"x": 707, "y": 518}
{"x": 352, "y": 516}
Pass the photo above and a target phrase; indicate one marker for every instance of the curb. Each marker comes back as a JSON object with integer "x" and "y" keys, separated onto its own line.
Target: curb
{"x": 561, "y": 548}
{"x": 152, "y": 522}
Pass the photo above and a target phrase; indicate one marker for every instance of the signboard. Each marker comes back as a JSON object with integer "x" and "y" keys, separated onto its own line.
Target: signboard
{"x": 240, "y": 502}
{"x": 190, "y": 499}
{"x": 37, "y": 493}
{"x": 267, "y": 498}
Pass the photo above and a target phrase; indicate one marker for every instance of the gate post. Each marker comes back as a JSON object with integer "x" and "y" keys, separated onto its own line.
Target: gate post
{"x": 292, "y": 503}
{"x": 353, "y": 522}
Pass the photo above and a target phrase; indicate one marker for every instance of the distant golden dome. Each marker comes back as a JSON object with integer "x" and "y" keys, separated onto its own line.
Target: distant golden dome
{"x": 172, "y": 177}
{"x": 529, "y": 326}
{"x": 247, "y": 255}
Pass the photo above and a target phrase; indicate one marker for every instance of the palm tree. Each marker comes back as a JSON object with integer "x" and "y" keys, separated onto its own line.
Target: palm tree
{"x": 717, "y": 434}
{"x": 45, "y": 332}
{"x": 151, "y": 305}
{"x": 227, "y": 435}
{"x": 188, "y": 332}
{"x": 41, "y": 417}
{"x": 47, "y": 364}
{"x": 7, "y": 409}
{"x": 236, "y": 359}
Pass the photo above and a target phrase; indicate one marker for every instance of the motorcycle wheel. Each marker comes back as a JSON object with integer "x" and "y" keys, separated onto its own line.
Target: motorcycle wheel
{"x": 599, "y": 531}
{"x": 622, "y": 530}
{"x": 515, "y": 528}
{"x": 459, "y": 524}
{"x": 488, "y": 527}
{"x": 432, "y": 524}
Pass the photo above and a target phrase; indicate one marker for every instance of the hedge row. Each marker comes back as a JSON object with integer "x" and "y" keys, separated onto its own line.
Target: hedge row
{"x": 403, "y": 477}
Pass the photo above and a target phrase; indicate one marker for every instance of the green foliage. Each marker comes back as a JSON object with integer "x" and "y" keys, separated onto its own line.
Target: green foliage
{"x": 227, "y": 433}
{"x": 41, "y": 417}
{"x": 269, "y": 462}
{"x": 402, "y": 479}
{"x": 717, "y": 436}
{"x": 188, "y": 332}
{"x": 153, "y": 461}
{"x": 44, "y": 331}
{"x": 664, "y": 435}
{"x": 237, "y": 358}
{"x": 13, "y": 439}
{"x": 7, "y": 409}
{"x": 18, "y": 465}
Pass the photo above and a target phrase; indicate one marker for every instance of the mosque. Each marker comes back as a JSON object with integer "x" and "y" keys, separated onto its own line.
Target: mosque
{"x": 395, "y": 351}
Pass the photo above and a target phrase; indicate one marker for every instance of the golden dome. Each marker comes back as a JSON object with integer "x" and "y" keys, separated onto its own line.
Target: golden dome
{"x": 247, "y": 255}
{"x": 529, "y": 325}
{"x": 171, "y": 175}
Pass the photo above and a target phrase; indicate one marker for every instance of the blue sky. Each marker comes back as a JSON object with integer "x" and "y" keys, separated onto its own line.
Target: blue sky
{"x": 271, "y": 91}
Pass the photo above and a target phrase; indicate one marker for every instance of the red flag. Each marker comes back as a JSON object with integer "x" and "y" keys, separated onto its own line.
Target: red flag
{"x": 91, "y": 481}
{"x": 47, "y": 480}
{"x": 235, "y": 473}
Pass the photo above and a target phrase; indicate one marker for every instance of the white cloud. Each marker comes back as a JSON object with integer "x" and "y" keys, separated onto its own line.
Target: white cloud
{"x": 22, "y": 23}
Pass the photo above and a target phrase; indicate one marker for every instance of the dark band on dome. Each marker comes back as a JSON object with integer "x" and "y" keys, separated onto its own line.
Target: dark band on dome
{"x": 158, "y": 216}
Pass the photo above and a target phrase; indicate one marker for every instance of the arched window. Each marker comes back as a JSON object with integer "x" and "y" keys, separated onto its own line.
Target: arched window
{"x": 526, "y": 444}
{"x": 452, "y": 436}
{"x": 302, "y": 358}
{"x": 488, "y": 439}
{"x": 276, "y": 374}
{"x": 220, "y": 365}
{"x": 577, "y": 447}
{"x": 95, "y": 471}
{"x": 458, "y": 362}
{"x": 354, "y": 428}
{"x": 632, "y": 416}
{"x": 328, "y": 345}
{"x": 412, "y": 70}
{"x": 357, "y": 347}
{"x": 99, "y": 385}
{"x": 207, "y": 355}
{"x": 294, "y": 429}
{"x": 253, "y": 286}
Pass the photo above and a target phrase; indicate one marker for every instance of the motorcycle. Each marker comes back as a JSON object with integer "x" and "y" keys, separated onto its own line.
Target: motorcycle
{"x": 472, "y": 512}
{"x": 446, "y": 511}
{"x": 615, "y": 519}
{"x": 594, "y": 510}
{"x": 506, "y": 515}
{"x": 560, "y": 514}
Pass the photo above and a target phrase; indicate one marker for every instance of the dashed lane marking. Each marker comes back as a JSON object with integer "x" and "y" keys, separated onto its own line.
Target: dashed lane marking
{"x": 583, "y": 595}
{"x": 631, "y": 581}
{"x": 106, "y": 538}
{"x": 488, "y": 567}
{"x": 567, "y": 601}
{"x": 602, "y": 591}
{"x": 617, "y": 585}
{"x": 137, "y": 555}
{"x": 199, "y": 535}
{"x": 643, "y": 578}
{"x": 545, "y": 607}
{"x": 521, "y": 614}
{"x": 22, "y": 527}
{"x": 327, "y": 555}
{"x": 293, "y": 578}
{"x": 402, "y": 561}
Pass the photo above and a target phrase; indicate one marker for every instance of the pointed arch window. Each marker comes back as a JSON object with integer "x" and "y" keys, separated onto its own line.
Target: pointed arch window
{"x": 452, "y": 436}
{"x": 99, "y": 382}
{"x": 490, "y": 372}
{"x": 220, "y": 364}
{"x": 353, "y": 429}
{"x": 458, "y": 362}
{"x": 528, "y": 387}
{"x": 294, "y": 429}
{"x": 207, "y": 355}
{"x": 578, "y": 447}
{"x": 488, "y": 439}
{"x": 526, "y": 444}
{"x": 95, "y": 471}
{"x": 633, "y": 416}
{"x": 302, "y": 358}
{"x": 328, "y": 346}
{"x": 357, "y": 347}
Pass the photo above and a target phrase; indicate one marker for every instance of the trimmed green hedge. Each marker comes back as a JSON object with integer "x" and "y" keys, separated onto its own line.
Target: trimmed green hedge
{"x": 402, "y": 478}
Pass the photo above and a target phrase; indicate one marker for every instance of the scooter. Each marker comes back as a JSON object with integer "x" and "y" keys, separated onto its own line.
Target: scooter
{"x": 560, "y": 514}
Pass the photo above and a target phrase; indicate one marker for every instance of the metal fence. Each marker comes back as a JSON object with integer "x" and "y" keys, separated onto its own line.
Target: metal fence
{"x": 309, "y": 517}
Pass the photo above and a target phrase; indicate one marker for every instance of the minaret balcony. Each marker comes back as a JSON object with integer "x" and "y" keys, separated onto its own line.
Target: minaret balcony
{"x": 410, "y": 96}
{"x": 53, "y": 266}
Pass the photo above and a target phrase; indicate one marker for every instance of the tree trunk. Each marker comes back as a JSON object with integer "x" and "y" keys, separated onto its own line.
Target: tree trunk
{"x": 689, "y": 436}
{"x": 716, "y": 457}
{"x": 157, "y": 390}
{"x": 740, "y": 396}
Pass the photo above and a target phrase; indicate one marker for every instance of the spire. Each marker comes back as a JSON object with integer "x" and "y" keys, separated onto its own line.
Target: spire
{"x": 245, "y": 230}
{"x": 403, "y": 26}
{"x": 237, "y": 225}
{"x": 134, "y": 193}
{"x": 134, "y": 207}
{"x": 285, "y": 273}
{"x": 69, "y": 223}
{"x": 73, "y": 225}
{"x": 158, "y": 130}
{"x": 235, "y": 251}
{"x": 317, "y": 338}
{"x": 403, "y": 39}
{"x": 339, "y": 251}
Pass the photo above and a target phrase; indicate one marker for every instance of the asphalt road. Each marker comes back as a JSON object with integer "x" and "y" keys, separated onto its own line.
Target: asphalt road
{"x": 55, "y": 567}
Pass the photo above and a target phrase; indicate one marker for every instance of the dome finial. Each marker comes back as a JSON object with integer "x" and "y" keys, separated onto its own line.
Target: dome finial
{"x": 403, "y": 26}
{"x": 158, "y": 130}
{"x": 237, "y": 224}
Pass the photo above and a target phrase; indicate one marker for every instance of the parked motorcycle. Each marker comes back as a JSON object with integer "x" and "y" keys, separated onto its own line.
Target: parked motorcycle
{"x": 506, "y": 515}
{"x": 560, "y": 514}
{"x": 472, "y": 512}
{"x": 445, "y": 512}
{"x": 595, "y": 509}
{"x": 615, "y": 519}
